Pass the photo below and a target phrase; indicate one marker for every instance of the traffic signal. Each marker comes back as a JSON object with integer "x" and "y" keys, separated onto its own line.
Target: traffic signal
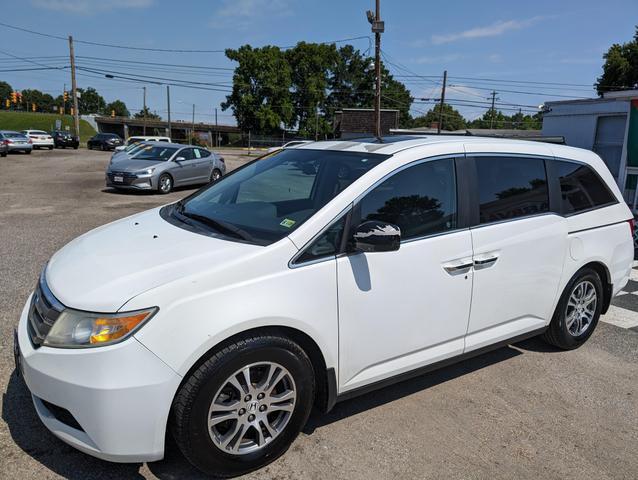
{"x": 8, "y": 103}
{"x": 33, "y": 107}
{"x": 66, "y": 96}
{"x": 14, "y": 97}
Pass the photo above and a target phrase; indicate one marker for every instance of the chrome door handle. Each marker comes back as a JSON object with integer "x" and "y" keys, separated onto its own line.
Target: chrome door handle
{"x": 485, "y": 261}
{"x": 459, "y": 267}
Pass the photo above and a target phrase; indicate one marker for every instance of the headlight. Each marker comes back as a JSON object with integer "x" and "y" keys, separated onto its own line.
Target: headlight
{"x": 148, "y": 171}
{"x": 75, "y": 328}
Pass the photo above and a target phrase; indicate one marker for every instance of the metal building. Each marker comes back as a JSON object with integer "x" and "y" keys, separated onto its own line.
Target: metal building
{"x": 606, "y": 125}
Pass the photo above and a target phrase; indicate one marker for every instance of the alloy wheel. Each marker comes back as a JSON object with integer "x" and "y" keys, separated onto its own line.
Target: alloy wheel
{"x": 252, "y": 408}
{"x": 581, "y": 308}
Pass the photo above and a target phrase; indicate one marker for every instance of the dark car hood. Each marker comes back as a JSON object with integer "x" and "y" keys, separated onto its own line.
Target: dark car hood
{"x": 130, "y": 165}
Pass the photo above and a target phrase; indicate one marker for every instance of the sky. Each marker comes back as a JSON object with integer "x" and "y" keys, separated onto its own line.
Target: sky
{"x": 523, "y": 50}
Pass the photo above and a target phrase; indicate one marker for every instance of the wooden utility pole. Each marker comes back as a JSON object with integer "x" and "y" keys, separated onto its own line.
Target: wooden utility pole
{"x": 493, "y": 109}
{"x": 216, "y": 129}
{"x": 144, "y": 111}
{"x": 377, "y": 28}
{"x": 439, "y": 126}
{"x": 74, "y": 89}
{"x": 190, "y": 140}
{"x": 168, "y": 107}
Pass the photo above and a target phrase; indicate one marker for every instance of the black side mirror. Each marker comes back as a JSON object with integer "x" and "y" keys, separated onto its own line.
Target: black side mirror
{"x": 375, "y": 236}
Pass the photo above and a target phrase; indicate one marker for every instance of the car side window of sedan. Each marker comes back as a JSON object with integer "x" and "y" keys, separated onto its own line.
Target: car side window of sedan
{"x": 202, "y": 153}
{"x": 186, "y": 153}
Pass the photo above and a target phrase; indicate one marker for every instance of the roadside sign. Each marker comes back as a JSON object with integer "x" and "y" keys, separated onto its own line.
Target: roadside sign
{"x": 58, "y": 124}
{"x": 67, "y": 128}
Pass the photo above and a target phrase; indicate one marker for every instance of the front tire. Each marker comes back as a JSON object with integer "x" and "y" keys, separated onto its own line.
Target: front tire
{"x": 215, "y": 175}
{"x": 578, "y": 311}
{"x": 165, "y": 184}
{"x": 244, "y": 406}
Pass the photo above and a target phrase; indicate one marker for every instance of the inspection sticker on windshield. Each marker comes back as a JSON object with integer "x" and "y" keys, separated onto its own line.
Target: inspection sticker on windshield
{"x": 286, "y": 222}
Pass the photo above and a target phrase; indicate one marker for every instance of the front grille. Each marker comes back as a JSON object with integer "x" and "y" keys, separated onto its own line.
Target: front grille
{"x": 127, "y": 177}
{"x": 43, "y": 312}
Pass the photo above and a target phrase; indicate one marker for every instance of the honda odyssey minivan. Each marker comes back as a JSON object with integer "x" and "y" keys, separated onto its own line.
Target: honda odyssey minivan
{"x": 309, "y": 276}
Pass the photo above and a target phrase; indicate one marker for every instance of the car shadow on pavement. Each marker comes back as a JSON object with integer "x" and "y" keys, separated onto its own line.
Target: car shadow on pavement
{"x": 394, "y": 392}
{"x": 34, "y": 439}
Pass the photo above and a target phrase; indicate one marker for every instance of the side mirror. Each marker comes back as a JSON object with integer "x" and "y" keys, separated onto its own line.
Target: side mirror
{"x": 375, "y": 236}
{"x": 180, "y": 159}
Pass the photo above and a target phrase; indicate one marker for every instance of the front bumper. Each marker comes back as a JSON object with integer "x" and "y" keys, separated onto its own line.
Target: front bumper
{"x": 131, "y": 182}
{"x": 119, "y": 395}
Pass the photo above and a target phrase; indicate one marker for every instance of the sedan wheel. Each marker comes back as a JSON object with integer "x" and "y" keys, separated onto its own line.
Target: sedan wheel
{"x": 215, "y": 175}
{"x": 581, "y": 308}
{"x": 165, "y": 183}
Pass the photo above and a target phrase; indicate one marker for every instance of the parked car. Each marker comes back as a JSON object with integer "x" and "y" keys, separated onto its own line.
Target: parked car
{"x": 4, "y": 147}
{"x": 63, "y": 139}
{"x": 16, "y": 141}
{"x": 138, "y": 139}
{"x": 128, "y": 151}
{"x": 162, "y": 166}
{"x": 104, "y": 141}
{"x": 294, "y": 143}
{"x": 310, "y": 276}
{"x": 39, "y": 138}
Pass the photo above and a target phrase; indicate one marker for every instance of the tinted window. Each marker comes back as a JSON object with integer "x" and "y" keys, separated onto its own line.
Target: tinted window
{"x": 203, "y": 153}
{"x": 271, "y": 197}
{"x": 511, "y": 187}
{"x": 580, "y": 187}
{"x": 326, "y": 245}
{"x": 187, "y": 153}
{"x": 420, "y": 200}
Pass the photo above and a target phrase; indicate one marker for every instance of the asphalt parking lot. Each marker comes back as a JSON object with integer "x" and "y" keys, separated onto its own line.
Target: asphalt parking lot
{"x": 524, "y": 411}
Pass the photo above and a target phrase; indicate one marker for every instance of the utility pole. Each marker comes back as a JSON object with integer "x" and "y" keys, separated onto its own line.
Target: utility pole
{"x": 493, "y": 108}
{"x": 377, "y": 28}
{"x": 144, "y": 111}
{"x": 190, "y": 140}
{"x": 216, "y": 130}
{"x": 438, "y": 128}
{"x": 168, "y": 107}
{"x": 74, "y": 88}
{"x": 317, "y": 123}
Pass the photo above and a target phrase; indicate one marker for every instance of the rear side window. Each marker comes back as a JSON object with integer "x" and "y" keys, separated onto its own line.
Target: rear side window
{"x": 420, "y": 200}
{"x": 511, "y": 187}
{"x": 581, "y": 188}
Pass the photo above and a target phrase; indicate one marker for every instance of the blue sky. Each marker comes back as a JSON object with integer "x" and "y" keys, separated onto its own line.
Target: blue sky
{"x": 540, "y": 41}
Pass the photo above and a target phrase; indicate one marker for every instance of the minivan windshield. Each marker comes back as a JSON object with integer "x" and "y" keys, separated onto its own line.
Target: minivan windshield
{"x": 269, "y": 198}
{"x": 150, "y": 152}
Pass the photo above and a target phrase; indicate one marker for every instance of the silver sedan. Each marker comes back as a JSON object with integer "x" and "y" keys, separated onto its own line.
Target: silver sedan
{"x": 161, "y": 166}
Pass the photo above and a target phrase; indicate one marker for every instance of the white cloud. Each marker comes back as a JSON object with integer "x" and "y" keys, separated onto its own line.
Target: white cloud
{"x": 90, "y": 6}
{"x": 244, "y": 13}
{"x": 493, "y": 30}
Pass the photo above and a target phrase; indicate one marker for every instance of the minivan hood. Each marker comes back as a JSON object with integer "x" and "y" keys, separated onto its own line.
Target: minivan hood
{"x": 125, "y": 164}
{"x": 104, "y": 268}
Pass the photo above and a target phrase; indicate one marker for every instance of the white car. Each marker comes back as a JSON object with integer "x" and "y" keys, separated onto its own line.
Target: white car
{"x": 310, "y": 276}
{"x": 133, "y": 140}
{"x": 39, "y": 138}
{"x": 294, "y": 143}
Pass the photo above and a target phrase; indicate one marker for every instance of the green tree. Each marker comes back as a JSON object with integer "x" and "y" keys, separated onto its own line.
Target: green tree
{"x": 90, "y": 101}
{"x": 620, "y": 70}
{"x": 43, "y": 101}
{"x": 146, "y": 113}
{"x": 310, "y": 65}
{"x": 117, "y": 106}
{"x": 5, "y": 92}
{"x": 261, "y": 99}
{"x": 452, "y": 119}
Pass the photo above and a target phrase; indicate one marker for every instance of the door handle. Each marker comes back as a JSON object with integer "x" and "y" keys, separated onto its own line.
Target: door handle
{"x": 458, "y": 267}
{"x": 484, "y": 261}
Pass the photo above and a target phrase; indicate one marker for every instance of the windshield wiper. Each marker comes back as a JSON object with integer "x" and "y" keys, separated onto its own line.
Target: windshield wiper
{"x": 217, "y": 224}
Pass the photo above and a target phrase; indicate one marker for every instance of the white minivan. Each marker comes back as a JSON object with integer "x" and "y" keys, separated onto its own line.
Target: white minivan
{"x": 309, "y": 276}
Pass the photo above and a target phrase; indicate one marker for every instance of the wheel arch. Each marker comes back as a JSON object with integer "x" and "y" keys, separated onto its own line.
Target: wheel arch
{"x": 605, "y": 276}
{"x": 325, "y": 378}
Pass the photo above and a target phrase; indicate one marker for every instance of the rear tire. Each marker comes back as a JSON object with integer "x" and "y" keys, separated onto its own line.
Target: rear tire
{"x": 578, "y": 311}
{"x": 28, "y": 152}
{"x": 50, "y": 148}
{"x": 235, "y": 446}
